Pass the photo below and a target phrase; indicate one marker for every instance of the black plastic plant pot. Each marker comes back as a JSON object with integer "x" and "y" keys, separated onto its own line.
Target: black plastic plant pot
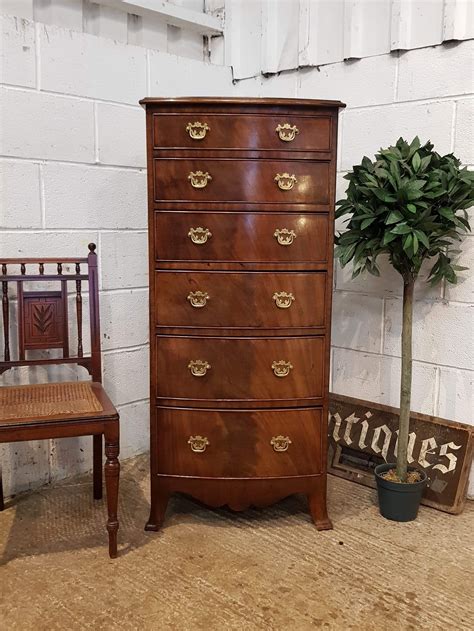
{"x": 399, "y": 502}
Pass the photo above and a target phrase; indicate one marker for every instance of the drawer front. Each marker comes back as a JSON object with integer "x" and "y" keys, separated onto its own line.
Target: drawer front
{"x": 240, "y": 299}
{"x": 238, "y": 443}
{"x": 252, "y": 237}
{"x": 240, "y": 131}
{"x": 253, "y": 181}
{"x": 239, "y": 369}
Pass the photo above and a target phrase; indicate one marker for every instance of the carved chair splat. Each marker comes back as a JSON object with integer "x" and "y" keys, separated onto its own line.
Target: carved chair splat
{"x": 58, "y": 409}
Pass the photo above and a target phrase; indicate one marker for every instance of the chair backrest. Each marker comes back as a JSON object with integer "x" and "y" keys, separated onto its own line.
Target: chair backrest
{"x": 42, "y": 316}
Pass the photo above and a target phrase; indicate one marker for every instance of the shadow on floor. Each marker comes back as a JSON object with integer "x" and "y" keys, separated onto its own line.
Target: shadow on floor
{"x": 67, "y": 518}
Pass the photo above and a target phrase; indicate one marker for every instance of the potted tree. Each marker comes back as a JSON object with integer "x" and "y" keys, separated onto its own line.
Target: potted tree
{"x": 410, "y": 205}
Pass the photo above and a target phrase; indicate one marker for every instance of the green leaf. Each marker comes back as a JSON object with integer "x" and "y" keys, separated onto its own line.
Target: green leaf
{"x": 407, "y": 242}
{"x": 415, "y": 243}
{"x": 383, "y": 195}
{"x": 411, "y": 207}
{"x": 446, "y": 212}
{"x": 394, "y": 217}
{"x": 367, "y": 222}
{"x": 402, "y": 228}
{"x": 416, "y": 162}
{"x": 422, "y": 238}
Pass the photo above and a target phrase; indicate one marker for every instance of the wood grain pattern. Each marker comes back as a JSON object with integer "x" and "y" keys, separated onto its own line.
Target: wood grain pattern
{"x": 241, "y": 181}
{"x": 241, "y": 368}
{"x": 239, "y": 237}
{"x": 232, "y": 399}
{"x": 242, "y": 131}
{"x": 239, "y": 442}
{"x": 241, "y": 299}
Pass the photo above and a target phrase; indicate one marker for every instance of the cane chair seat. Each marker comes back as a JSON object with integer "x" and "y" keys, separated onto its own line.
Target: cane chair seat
{"x": 48, "y": 399}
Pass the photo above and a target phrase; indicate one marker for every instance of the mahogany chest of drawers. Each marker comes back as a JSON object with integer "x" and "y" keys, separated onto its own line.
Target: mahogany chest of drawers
{"x": 241, "y": 197}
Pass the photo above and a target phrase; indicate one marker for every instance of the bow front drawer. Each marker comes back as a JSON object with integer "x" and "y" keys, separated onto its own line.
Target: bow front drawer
{"x": 240, "y": 299}
{"x": 237, "y": 237}
{"x": 251, "y": 181}
{"x": 242, "y": 444}
{"x": 211, "y": 369}
{"x": 240, "y": 131}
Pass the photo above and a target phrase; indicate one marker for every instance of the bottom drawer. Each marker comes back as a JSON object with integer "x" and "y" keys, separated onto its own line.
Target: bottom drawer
{"x": 241, "y": 444}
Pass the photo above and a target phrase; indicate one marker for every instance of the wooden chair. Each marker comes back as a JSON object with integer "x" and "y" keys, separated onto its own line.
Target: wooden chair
{"x": 60, "y": 409}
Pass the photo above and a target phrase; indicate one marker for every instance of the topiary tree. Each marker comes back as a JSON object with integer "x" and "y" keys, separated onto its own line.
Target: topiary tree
{"x": 410, "y": 203}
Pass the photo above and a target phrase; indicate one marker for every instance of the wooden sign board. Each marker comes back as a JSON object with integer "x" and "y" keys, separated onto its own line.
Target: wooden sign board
{"x": 364, "y": 434}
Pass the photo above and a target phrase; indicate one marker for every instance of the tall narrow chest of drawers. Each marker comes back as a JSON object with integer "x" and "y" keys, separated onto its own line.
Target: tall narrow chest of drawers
{"x": 241, "y": 197}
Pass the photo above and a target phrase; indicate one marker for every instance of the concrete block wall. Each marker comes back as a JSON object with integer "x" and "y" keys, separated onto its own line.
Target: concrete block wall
{"x": 427, "y": 92}
{"x": 72, "y": 171}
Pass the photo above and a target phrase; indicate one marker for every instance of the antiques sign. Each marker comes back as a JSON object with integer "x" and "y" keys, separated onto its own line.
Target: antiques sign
{"x": 363, "y": 435}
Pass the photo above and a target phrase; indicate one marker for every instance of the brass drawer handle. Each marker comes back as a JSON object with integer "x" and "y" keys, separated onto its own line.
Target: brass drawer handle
{"x": 283, "y": 300}
{"x": 199, "y": 367}
{"x": 197, "y": 130}
{"x": 284, "y": 236}
{"x": 280, "y": 443}
{"x": 199, "y": 443}
{"x": 285, "y": 181}
{"x": 281, "y": 368}
{"x": 199, "y": 179}
{"x": 287, "y": 132}
{"x": 198, "y": 299}
{"x": 199, "y": 235}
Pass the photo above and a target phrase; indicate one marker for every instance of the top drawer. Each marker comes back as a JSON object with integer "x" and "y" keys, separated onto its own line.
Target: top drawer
{"x": 242, "y": 131}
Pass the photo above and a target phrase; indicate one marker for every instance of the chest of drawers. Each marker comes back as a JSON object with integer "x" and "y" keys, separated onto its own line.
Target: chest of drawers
{"x": 241, "y": 197}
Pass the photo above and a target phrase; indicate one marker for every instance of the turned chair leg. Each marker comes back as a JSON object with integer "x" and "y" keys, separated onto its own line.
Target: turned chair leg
{"x": 112, "y": 473}
{"x": 97, "y": 466}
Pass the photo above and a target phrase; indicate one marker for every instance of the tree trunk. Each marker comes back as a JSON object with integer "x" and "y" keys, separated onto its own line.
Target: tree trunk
{"x": 405, "y": 382}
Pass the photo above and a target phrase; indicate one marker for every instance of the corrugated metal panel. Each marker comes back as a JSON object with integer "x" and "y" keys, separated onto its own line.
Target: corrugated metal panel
{"x": 297, "y": 33}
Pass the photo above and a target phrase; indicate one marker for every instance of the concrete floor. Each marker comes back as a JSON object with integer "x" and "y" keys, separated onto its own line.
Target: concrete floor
{"x": 214, "y": 570}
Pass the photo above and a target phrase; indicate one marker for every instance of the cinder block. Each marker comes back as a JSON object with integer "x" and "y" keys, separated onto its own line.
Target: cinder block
{"x": 436, "y": 71}
{"x": 463, "y": 291}
{"x": 38, "y": 125}
{"x": 94, "y": 197}
{"x": 125, "y": 261}
{"x": 85, "y": 65}
{"x": 389, "y": 283}
{"x": 47, "y": 244}
{"x": 366, "y": 131}
{"x": 368, "y": 81}
{"x": 376, "y": 378}
{"x": 124, "y": 319}
{"x": 441, "y": 332}
{"x": 357, "y": 321}
{"x": 134, "y": 428}
{"x": 126, "y": 375}
{"x": 456, "y": 395}
{"x": 283, "y": 85}
{"x": 25, "y": 466}
{"x": 176, "y": 76}
{"x": 17, "y": 52}
{"x": 19, "y": 195}
{"x": 121, "y": 135}
{"x": 464, "y": 131}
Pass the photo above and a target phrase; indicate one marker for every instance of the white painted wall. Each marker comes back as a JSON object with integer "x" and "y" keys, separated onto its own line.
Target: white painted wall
{"x": 73, "y": 171}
